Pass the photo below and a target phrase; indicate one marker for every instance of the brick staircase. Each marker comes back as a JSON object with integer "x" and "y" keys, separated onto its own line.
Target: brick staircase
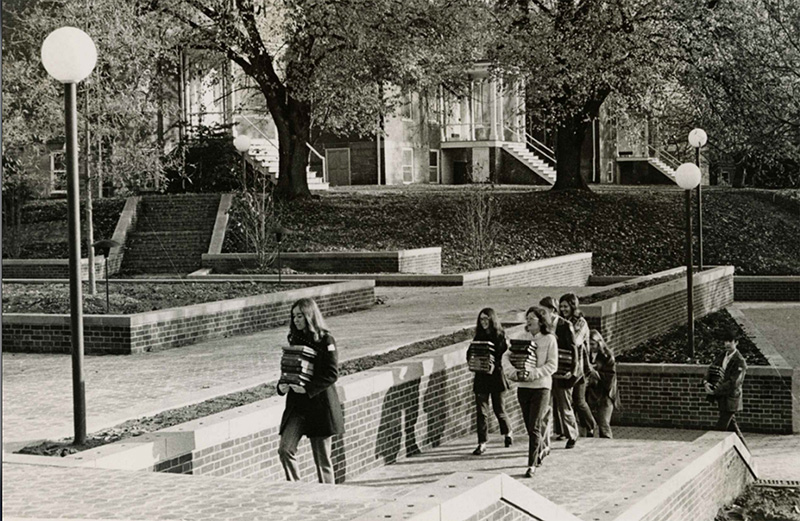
{"x": 264, "y": 153}
{"x": 171, "y": 234}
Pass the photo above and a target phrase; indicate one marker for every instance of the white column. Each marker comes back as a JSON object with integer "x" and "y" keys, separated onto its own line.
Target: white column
{"x": 472, "y": 110}
{"x": 492, "y": 110}
{"x": 501, "y": 112}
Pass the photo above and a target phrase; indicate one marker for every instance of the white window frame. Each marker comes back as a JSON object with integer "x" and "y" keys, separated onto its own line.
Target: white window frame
{"x": 54, "y": 172}
{"x": 438, "y": 166}
{"x": 404, "y": 166}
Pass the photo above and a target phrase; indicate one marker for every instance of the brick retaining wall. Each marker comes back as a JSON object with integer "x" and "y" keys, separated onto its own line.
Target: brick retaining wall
{"x": 630, "y": 319}
{"x": 166, "y": 329}
{"x": 420, "y": 260}
{"x": 672, "y": 396}
{"x": 774, "y": 289}
{"x": 50, "y": 268}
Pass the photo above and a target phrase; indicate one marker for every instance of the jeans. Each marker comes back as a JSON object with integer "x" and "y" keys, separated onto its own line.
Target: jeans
{"x": 580, "y": 406}
{"x": 563, "y": 416}
{"x": 320, "y": 449}
{"x": 603, "y": 410}
{"x": 482, "y": 407}
{"x": 727, "y": 422}
{"x": 534, "y": 404}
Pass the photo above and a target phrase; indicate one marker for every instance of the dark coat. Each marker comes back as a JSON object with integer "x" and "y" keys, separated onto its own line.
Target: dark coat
{"x": 495, "y": 382}
{"x": 602, "y": 379}
{"x": 319, "y": 406}
{"x": 565, "y": 335}
{"x": 728, "y": 391}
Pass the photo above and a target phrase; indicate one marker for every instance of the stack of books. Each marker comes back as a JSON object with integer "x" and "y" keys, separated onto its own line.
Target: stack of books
{"x": 480, "y": 356}
{"x": 715, "y": 374}
{"x": 566, "y": 359}
{"x": 297, "y": 365}
{"x": 522, "y": 356}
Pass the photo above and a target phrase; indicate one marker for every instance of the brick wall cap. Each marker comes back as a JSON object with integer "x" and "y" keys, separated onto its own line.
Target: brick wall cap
{"x": 696, "y": 369}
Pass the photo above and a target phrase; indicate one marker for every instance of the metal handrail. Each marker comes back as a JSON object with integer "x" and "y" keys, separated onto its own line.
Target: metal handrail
{"x": 538, "y": 146}
{"x": 324, "y": 163}
{"x": 665, "y": 155}
{"x": 266, "y": 137}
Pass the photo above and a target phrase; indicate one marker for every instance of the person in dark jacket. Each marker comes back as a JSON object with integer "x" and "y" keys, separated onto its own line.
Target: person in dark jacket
{"x": 314, "y": 409}
{"x": 490, "y": 385}
{"x": 601, "y": 389}
{"x": 727, "y": 392}
{"x": 563, "y": 415}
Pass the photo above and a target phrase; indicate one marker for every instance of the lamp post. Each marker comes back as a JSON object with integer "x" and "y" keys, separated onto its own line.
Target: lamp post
{"x": 280, "y": 231}
{"x": 688, "y": 177}
{"x": 698, "y": 139}
{"x": 69, "y": 55}
{"x": 103, "y": 247}
{"x": 242, "y": 144}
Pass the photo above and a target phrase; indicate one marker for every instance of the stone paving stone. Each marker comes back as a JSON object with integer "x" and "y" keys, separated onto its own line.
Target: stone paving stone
{"x": 37, "y": 388}
{"x": 577, "y": 479}
{"x": 34, "y": 491}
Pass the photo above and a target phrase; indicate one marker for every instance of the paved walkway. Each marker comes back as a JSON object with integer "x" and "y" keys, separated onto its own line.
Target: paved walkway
{"x": 37, "y": 389}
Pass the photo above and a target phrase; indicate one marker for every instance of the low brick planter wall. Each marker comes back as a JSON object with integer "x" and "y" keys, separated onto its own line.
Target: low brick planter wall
{"x": 170, "y": 328}
{"x": 390, "y": 412}
{"x": 774, "y": 289}
{"x": 50, "y": 268}
{"x": 420, "y": 260}
{"x": 672, "y": 396}
{"x": 630, "y": 319}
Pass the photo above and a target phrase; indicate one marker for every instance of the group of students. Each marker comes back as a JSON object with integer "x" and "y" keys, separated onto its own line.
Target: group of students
{"x": 579, "y": 398}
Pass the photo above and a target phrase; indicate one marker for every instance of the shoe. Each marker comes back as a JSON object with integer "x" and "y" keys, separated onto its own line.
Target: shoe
{"x": 544, "y": 454}
{"x": 560, "y": 437}
{"x": 590, "y": 434}
{"x": 530, "y": 472}
{"x": 570, "y": 444}
{"x": 480, "y": 449}
{"x": 509, "y": 441}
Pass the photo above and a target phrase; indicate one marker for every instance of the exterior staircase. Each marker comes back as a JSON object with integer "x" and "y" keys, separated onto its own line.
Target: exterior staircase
{"x": 264, "y": 154}
{"x": 171, "y": 233}
{"x": 535, "y": 163}
{"x": 662, "y": 167}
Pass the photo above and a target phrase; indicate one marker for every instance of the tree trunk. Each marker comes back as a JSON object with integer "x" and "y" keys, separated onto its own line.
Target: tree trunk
{"x": 569, "y": 142}
{"x": 293, "y": 153}
{"x": 739, "y": 174}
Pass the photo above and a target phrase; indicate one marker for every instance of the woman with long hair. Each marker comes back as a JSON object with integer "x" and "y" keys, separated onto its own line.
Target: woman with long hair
{"x": 533, "y": 387}
{"x": 601, "y": 391}
{"x": 313, "y": 409}
{"x": 568, "y": 307}
{"x": 490, "y": 385}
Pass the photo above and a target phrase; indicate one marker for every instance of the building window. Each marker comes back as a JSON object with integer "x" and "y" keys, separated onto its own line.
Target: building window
{"x": 408, "y": 165}
{"x": 407, "y": 111}
{"x": 58, "y": 171}
{"x": 433, "y": 166}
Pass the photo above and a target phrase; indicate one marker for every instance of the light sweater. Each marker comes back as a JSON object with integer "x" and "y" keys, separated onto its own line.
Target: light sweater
{"x": 546, "y": 364}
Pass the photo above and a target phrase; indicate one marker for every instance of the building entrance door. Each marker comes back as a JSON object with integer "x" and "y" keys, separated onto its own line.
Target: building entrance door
{"x": 338, "y": 161}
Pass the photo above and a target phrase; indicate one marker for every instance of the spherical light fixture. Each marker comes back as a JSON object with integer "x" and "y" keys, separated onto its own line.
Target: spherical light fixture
{"x": 698, "y": 138}
{"x": 687, "y": 176}
{"x": 69, "y": 54}
{"x": 242, "y": 143}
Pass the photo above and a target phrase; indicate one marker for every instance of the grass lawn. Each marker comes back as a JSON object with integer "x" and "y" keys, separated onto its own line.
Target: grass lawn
{"x": 630, "y": 232}
{"x": 129, "y": 298}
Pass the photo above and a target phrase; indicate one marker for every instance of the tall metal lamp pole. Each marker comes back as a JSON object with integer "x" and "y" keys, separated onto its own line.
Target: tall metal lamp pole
{"x": 242, "y": 144}
{"x": 688, "y": 177}
{"x": 69, "y": 55}
{"x": 698, "y": 139}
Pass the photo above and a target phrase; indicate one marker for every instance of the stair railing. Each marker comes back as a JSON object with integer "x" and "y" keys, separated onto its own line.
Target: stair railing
{"x": 324, "y": 163}
{"x": 670, "y": 160}
{"x": 538, "y": 147}
{"x": 261, "y": 132}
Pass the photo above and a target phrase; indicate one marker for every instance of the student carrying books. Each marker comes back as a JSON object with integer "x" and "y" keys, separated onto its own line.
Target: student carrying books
{"x": 309, "y": 370}
{"x": 483, "y": 357}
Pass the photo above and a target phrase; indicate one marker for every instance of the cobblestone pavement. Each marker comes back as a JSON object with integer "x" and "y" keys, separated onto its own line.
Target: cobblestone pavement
{"x": 34, "y": 491}
{"x": 37, "y": 389}
{"x": 580, "y": 479}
